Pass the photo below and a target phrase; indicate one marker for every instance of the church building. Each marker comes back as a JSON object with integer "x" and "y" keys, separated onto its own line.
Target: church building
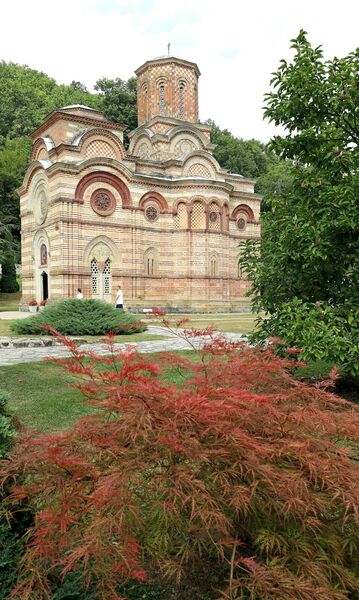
{"x": 162, "y": 218}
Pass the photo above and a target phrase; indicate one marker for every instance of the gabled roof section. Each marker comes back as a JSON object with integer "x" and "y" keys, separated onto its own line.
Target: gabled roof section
{"x": 79, "y": 114}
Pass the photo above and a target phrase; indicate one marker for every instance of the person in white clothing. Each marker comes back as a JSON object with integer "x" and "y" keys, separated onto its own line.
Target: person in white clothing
{"x": 79, "y": 294}
{"x": 119, "y": 298}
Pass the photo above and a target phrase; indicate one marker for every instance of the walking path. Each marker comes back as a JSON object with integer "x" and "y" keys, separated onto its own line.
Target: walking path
{"x": 13, "y": 356}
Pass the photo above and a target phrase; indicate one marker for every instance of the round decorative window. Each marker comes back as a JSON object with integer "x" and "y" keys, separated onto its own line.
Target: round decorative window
{"x": 103, "y": 202}
{"x": 151, "y": 213}
{"x": 213, "y": 216}
{"x": 241, "y": 223}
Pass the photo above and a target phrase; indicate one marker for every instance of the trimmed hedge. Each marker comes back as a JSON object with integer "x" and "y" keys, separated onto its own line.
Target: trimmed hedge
{"x": 80, "y": 317}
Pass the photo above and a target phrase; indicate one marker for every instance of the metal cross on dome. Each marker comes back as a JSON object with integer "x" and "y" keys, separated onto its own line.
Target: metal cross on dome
{"x": 168, "y": 48}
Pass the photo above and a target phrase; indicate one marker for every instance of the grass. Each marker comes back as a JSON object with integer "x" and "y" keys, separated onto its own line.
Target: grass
{"x": 5, "y": 328}
{"x": 9, "y": 301}
{"x": 41, "y": 395}
{"x": 234, "y": 323}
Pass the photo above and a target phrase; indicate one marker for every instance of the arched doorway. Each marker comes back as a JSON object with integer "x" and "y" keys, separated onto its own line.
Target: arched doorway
{"x": 45, "y": 285}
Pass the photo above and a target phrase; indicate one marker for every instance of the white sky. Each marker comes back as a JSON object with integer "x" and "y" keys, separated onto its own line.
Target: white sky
{"x": 236, "y": 44}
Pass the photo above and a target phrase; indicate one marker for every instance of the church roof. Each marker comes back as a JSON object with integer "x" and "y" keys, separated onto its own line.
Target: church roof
{"x": 170, "y": 59}
{"x": 78, "y": 106}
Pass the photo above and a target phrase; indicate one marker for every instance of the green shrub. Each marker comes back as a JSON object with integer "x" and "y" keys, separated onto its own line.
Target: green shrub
{"x": 323, "y": 332}
{"x": 11, "y": 546}
{"x": 7, "y": 429}
{"x": 80, "y": 317}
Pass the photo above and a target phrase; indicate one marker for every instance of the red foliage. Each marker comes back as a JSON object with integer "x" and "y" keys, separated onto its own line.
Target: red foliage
{"x": 240, "y": 463}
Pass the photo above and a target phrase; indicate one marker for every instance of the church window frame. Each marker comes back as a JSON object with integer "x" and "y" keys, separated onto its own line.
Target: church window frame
{"x": 181, "y": 99}
{"x": 162, "y": 100}
{"x": 150, "y": 262}
{"x": 213, "y": 265}
{"x": 241, "y": 222}
{"x": 103, "y": 202}
{"x": 43, "y": 254}
{"x": 95, "y": 277}
{"x": 152, "y": 213}
{"x": 145, "y": 99}
{"x": 106, "y": 277}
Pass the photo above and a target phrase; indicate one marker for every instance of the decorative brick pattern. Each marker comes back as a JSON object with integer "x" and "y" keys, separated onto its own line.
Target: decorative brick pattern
{"x": 181, "y": 218}
{"x": 198, "y": 216}
{"x": 168, "y": 87}
{"x": 186, "y": 258}
{"x": 43, "y": 155}
{"x": 143, "y": 150}
{"x": 199, "y": 170}
{"x": 214, "y": 218}
{"x": 100, "y": 148}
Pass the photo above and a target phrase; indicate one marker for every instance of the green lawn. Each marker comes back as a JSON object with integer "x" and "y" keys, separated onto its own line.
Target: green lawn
{"x": 230, "y": 322}
{"x": 236, "y": 323}
{"x": 42, "y": 397}
{"x": 9, "y": 301}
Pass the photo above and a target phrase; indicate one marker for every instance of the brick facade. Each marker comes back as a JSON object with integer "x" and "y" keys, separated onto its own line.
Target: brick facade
{"x": 162, "y": 218}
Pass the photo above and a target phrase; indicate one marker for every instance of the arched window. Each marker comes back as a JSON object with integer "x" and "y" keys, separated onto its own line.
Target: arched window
{"x": 95, "y": 277}
{"x": 150, "y": 265}
{"x": 213, "y": 265}
{"x": 145, "y": 100}
{"x": 43, "y": 254}
{"x": 162, "y": 98}
{"x": 198, "y": 216}
{"x": 101, "y": 281}
{"x": 181, "y": 99}
{"x": 150, "y": 261}
{"x": 107, "y": 277}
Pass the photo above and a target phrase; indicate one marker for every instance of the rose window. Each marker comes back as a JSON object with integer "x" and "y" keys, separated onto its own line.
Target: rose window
{"x": 151, "y": 213}
{"x": 213, "y": 216}
{"x": 241, "y": 223}
{"x": 103, "y": 202}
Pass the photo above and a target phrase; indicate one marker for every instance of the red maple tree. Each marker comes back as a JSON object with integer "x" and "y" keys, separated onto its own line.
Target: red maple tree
{"x": 241, "y": 464}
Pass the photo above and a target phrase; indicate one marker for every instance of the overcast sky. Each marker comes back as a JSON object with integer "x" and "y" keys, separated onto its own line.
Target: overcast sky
{"x": 236, "y": 44}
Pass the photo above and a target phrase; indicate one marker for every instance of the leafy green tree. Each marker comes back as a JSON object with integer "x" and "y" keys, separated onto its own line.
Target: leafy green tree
{"x": 14, "y": 157}
{"x": 247, "y": 157}
{"x": 277, "y": 180}
{"x": 119, "y": 100}
{"x": 8, "y": 282}
{"x": 306, "y": 272}
{"x": 27, "y": 96}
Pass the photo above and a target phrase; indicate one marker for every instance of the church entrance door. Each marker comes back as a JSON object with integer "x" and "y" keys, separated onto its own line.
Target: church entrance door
{"x": 45, "y": 285}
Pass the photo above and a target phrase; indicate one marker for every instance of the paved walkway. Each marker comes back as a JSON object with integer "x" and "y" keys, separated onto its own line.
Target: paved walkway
{"x": 13, "y": 356}
{"x": 10, "y": 315}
